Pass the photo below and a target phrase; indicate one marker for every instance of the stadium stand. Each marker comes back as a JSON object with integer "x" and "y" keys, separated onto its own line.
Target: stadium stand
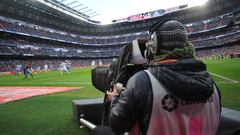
{"x": 37, "y": 34}
{"x": 25, "y": 36}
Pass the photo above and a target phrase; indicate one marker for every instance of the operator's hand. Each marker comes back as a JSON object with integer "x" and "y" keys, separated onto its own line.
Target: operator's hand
{"x": 112, "y": 92}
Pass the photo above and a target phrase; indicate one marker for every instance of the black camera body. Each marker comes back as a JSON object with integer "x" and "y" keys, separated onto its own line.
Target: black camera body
{"x": 129, "y": 62}
{"x": 102, "y": 77}
{"x": 93, "y": 113}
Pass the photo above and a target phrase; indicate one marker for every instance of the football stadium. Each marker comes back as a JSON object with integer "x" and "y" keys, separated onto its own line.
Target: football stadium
{"x": 54, "y": 61}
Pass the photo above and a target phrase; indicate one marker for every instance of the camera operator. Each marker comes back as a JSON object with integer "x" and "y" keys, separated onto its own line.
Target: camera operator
{"x": 174, "y": 96}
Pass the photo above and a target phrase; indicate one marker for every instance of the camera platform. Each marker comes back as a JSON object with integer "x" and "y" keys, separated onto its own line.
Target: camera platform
{"x": 89, "y": 112}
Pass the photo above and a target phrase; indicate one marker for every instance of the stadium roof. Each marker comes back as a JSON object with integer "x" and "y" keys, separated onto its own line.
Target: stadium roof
{"x": 79, "y": 7}
{"x": 108, "y": 10}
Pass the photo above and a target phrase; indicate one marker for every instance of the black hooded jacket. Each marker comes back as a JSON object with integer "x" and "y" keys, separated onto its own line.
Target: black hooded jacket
{"x": 186, "y": 79}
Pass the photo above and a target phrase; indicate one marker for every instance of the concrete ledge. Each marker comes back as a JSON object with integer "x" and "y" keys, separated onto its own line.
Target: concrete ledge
{"x": 90, "y": 109}
{"x": 230, "y": 122}
{"x": 233, "y": 114}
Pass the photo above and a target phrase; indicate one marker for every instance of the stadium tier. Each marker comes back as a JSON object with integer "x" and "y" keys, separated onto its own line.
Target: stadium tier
{"x": 50, "y": 46}
{"x": 39, "y": 31}
{"x": 26, "y": 36}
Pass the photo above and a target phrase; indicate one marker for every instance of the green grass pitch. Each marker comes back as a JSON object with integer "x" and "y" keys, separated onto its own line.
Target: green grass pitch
{"x": 52, "y": 114}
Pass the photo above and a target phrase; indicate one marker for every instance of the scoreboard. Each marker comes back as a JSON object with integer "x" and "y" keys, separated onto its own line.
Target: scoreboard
{"x": 148, "y": 15}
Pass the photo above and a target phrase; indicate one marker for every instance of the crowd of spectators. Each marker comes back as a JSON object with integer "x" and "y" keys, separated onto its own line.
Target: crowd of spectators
{"x": 217, "y": 40}
{"x": 30, "y": 29}
{"x": 34, "y": 48}
{"x": 20, "y": 46}
{"x": 37, "y": 64}
{"x": 35, "y": 30}
{"x": 208, "y": 24}
{"x": 24, "y": 47}
{"x": 67, "y": 45}
{"x": 217, "y": 53}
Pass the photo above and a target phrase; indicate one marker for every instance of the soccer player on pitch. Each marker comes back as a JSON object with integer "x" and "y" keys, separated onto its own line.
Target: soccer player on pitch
{"x": 26, "y": 71}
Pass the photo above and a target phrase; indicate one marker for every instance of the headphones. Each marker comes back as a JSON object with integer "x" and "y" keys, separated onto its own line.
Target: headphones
{"x": 152, "y": 46}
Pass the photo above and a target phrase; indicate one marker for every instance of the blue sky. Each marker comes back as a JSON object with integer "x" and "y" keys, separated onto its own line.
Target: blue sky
{"x": 115, "y": 9}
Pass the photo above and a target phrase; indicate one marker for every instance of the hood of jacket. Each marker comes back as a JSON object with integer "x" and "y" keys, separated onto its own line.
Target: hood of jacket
{"x": 187, "y": 79}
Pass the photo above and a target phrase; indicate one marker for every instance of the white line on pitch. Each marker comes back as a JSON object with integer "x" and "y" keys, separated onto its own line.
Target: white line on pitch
{"x": 231, "y": 80}
{"x": 226, "y": 82}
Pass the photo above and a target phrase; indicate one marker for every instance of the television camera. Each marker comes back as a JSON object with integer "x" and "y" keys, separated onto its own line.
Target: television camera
{"x": 93, "y": 113}
{"x": 129, "y": 62}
